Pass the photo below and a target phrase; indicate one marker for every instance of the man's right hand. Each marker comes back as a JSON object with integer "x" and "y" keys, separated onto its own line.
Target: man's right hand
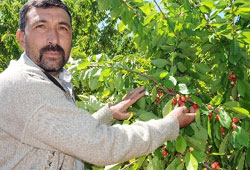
{"x": 183, "y": 117}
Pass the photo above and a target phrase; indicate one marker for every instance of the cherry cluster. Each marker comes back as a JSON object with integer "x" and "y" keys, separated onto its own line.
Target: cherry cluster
{"x": 217, "y": 118}
{"x": 182, "y": 99}
{"x": 233, "y": 79}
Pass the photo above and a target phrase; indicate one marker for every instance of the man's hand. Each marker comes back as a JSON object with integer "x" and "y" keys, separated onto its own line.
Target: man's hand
{"x": 119, "y": 110}
{"x": 183, "y": 117}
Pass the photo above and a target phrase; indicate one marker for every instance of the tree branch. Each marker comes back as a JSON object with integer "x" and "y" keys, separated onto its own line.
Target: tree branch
{"x": 164, "y": 16}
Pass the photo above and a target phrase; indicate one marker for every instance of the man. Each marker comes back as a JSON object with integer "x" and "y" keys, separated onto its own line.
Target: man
{"x": 41, "y": 128}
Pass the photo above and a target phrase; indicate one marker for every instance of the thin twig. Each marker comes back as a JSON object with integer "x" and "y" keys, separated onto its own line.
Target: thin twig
{"x": 164, "y": 16}
{"x": 128, "y": 165}
{"x": 206, "y": 166}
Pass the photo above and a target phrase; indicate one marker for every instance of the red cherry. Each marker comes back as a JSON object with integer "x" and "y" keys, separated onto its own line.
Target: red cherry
{"x": 160, "y": 93}
{"x": 234, "y": 126}
{"x": 210, "y": 115}
{"x": 164, "y": 153}
{"x": 234, "y": 76}
{"x": 222, "y": 130}
{"x": 217, "y": 117}
{"x": 170, "y": 90}
{"x": 183, "y": 99}
{"x": 235, "y": 120}
{"x": 173, "y": 101}
{"x": 179, "y": 102}
{"x": 210, "y": 107}
{"x": 215, "y": 165}
{"x": 195, "y": 106}
{"x": 157, "y": 99}
{"x": 230, "y": 78}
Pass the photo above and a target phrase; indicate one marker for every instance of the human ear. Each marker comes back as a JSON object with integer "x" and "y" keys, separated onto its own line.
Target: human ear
{"x": 20, "y": 38}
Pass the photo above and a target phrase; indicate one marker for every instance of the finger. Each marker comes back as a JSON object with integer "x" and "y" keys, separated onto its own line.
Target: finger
{"x": 123, "y": 116}
{"x": 134, "y": 93}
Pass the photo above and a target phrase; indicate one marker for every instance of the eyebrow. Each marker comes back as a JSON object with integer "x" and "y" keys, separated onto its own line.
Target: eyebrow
{"x": 61, "y": 23}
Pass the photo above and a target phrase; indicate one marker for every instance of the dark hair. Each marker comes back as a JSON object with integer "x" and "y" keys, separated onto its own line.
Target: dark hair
{"x": 39, "y": 4}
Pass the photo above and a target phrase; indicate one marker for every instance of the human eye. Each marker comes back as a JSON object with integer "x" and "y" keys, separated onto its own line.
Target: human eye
{"x": 40, "y": 26}
{"x": 63, "y": 28}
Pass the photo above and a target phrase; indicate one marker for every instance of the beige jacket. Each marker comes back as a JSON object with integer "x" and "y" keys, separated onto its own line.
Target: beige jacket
{"x": 40, "y": 128}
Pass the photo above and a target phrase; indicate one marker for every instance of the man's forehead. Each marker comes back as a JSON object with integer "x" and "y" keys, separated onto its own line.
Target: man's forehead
{"x": 36, "y": 14}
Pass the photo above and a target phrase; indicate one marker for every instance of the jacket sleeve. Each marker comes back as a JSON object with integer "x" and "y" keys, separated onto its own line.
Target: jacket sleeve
{"x": 104, "y": 115}
{"x": 42, "y": 117}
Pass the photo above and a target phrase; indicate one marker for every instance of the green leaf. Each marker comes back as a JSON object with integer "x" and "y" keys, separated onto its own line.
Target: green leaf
{"x": 83, "y": 65}
{"x": 181, "y": 144}
{"x": 121, "y": 26}
{"x": 190, "y": 162}
{"x": 242, "y": 137}
{"x": 225, "y": 119}
{"x": 181, "y": 67}
{"x": 241, "y": 162}
{"x": 241, "y": 87}
{"x": 145, "y": 116}
{"x": 141, "y": 103}
{"x": 183, "y": 89}
{"x": 202, "y": 68}
{"x": 216, "y": 100}
{"x": 248, "y": 156}
{"x": 167, "y": 108}
{"x": 139, "y": 163}
{"x": 200, "y": 156}
{"x": 160, "y": 63}
{"x": 196, "y": 100}
{"x": 240, "y": 111}
{"x": 173, "y": 164}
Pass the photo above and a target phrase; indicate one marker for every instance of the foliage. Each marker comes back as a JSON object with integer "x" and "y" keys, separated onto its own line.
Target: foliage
{"x": 194, "y": 48}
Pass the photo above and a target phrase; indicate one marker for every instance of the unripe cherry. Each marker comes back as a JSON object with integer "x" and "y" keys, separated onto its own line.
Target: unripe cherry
{"x": 177, "y": 96}
{"x": 210, "y": 107}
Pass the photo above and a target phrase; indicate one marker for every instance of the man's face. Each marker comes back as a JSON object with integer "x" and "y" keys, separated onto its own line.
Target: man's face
{"x": 47, "y": 37}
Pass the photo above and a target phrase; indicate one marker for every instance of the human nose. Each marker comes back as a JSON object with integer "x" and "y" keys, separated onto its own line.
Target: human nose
{"x": 53, "y": 37}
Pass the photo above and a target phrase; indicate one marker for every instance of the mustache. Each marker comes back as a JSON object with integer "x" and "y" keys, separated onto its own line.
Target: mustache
{"x": 52, "y": 48}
